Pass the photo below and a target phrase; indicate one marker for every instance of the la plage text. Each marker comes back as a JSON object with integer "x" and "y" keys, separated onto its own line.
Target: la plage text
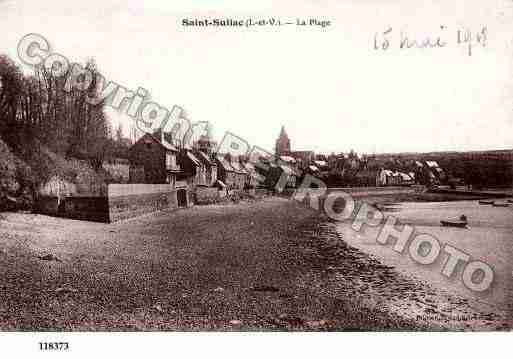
{"x": 254, "y": 22}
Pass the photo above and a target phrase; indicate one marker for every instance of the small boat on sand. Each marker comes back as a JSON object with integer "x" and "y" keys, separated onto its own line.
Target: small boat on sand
{"x": 461, "y": 223}
{"x": 486, "y": 202}
{"x": 500, "y": 204}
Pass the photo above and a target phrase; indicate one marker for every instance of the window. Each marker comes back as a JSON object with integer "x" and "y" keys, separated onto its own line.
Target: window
{"x": 170, "y": 161}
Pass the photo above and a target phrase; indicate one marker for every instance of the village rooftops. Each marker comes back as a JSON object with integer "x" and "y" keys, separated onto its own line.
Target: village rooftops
{"x": 204, "y": 158}
{"x": 250, "y": 167}
{"x": 288, "y": 159}
{"x": 405, "y": 177}
{"x": 432, "y": 164}
{"x": 225, "y": 164}
{"x": 153, "y": 138}
{"x": 193, "y": 158}
{"x": 237, "y": 166}
{"x": 164, "y": 138}
{"x": 287, "y": 170}
{"x": 320, "y": 164}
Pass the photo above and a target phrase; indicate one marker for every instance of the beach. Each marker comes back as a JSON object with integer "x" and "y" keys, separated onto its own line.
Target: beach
{"x": 487, "y": 238}
{"x": 264, "y": 265}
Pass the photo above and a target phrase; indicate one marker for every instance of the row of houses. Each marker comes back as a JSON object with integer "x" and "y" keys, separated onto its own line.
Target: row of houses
{"x": 352, "y": 169}
{"x": 363, "y": 171}
{"x": 154, "y": 160}
{"x": 384, "y": 177}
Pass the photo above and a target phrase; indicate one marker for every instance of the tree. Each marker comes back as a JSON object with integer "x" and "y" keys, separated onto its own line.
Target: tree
{"x": 11, "y": 87}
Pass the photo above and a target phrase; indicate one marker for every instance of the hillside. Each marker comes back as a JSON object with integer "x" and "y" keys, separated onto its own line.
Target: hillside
{"x": 492, "y": 168}
{"x": 16, "y": 189}
{"x": 23, "y": 172}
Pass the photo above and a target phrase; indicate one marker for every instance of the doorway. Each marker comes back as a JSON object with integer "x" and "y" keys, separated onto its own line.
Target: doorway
{"x": 182, "y": 198}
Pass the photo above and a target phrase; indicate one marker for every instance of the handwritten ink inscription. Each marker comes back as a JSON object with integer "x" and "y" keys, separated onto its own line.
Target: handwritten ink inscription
{"x": 403, "y": 40}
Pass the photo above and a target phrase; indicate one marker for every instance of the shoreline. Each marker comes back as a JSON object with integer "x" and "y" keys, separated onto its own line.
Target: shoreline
{"x": 268, "y": 265}
{"x": 381, "y": 286}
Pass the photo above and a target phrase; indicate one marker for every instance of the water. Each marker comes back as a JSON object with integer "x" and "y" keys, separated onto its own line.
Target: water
{"x": 489, "y": 238}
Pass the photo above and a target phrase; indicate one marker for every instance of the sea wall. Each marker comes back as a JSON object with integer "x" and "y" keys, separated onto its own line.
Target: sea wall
{"x": 121, "y": 202}
{"x": 132, "y": 200}
{"x": 206, "y": 195}
{"x": 75, "y": 207}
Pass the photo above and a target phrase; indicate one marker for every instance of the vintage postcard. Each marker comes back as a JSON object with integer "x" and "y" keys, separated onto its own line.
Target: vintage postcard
{"x": 275, "y": 166}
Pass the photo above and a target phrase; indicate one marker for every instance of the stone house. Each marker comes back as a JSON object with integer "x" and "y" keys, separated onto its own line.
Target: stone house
{"x": 225, "y": 172}
{"x": 193, "y": 171}
{"x": 153, "y": 160}
{"x": 284, "y": 173}
{"x": 210, "y": 167}
{"x": 252, "y": 177}
{"x": 368, "y": 178}
{"x": 240, "y": 176}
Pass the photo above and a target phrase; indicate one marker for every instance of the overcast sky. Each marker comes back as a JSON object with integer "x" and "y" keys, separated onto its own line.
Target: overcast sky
{"x": 329, "y": 87}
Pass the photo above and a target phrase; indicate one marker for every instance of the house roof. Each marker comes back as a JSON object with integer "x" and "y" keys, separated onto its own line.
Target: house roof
{"x": 204, "y": 158}
{"x": 165, "y": 139}
{"x": 321, "y": 163}
{"x": 250, "y": 167}
{"x": 237, "y": 166}
{"x": 405, "y": 177}
{"x": 432, "y": 164}
{"x": 225, "y": 164}
{"x": 193, "y": 158}
{"x": 287, "y": 169}
{"x": 220, "y": 184}
{"x": 288, "y": 159}
{"x": 153, "y": 138}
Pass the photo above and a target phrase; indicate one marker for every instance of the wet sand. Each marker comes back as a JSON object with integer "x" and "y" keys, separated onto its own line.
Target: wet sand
{"x": 488, "y": 238}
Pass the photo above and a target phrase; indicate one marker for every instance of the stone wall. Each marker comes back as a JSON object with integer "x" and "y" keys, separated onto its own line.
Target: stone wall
{"x": 132, "y": 200}
{"x": 260, "y": 192}
{"x": 85, "y": 208}
{"x": 121, "y": 202}
{"x": 47, "y": 205}
{"x": 75, "y": 207}
{"x": 207, "y": 195}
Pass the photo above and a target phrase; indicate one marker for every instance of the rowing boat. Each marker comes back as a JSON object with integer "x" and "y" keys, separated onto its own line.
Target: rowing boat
{"x": 486, "y": 202}
{"x": 500, "y": 204}
{"x": 459, "y": 224}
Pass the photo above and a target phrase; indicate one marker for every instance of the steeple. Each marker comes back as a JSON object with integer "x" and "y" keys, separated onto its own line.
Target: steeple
{"x": 282, "y": 143}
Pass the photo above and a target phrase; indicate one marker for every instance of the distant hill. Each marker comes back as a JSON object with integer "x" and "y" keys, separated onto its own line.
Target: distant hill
{"x": 508, "y": 153}
{"x": 493, "y": 168}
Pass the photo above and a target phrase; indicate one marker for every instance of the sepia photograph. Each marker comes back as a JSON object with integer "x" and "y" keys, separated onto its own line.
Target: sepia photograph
{"x": 255, "y": 169}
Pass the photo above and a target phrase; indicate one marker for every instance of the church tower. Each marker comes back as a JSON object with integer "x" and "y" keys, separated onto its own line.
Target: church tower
{"x": 282, "y": 143}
